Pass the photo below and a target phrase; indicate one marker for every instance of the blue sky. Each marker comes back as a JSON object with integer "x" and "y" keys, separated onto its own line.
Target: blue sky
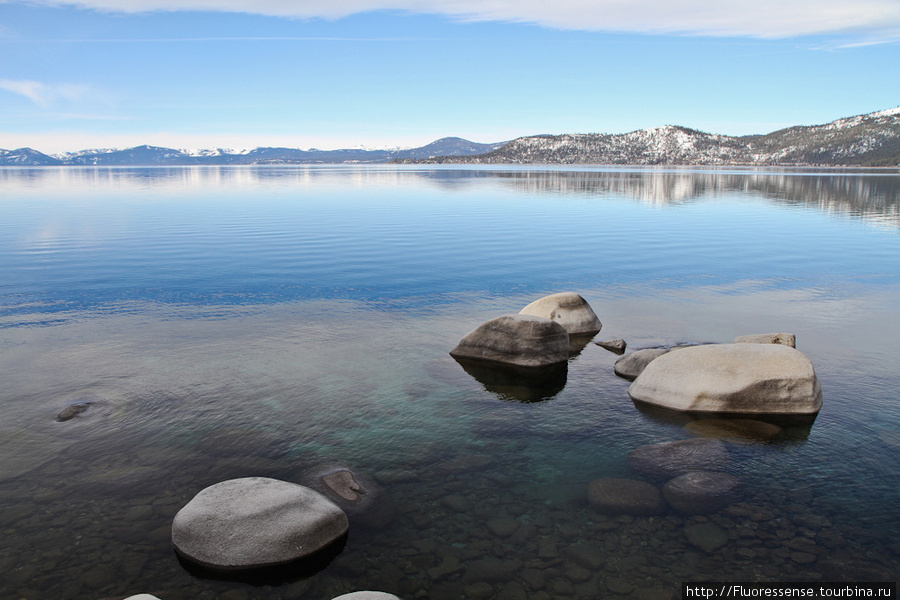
{"x": 386, "y": 73}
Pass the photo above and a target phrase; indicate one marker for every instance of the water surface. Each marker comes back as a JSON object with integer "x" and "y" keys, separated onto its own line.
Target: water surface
{"x": 228, "y": 322}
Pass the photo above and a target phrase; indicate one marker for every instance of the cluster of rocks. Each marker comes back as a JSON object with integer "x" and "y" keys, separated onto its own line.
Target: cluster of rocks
{"x": 756, "y": 374}
{"x": 538, "y": 336}
{"x": 695, "y": 481}
{"x": 257, "y": 522}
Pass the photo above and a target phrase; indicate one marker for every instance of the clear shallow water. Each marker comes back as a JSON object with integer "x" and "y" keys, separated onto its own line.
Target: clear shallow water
{"x": 258, "y": 321}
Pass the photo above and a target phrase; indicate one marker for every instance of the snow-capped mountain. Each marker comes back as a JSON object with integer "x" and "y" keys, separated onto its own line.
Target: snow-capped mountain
{"x": 157, "y": 156}
{"x": 865, "y": 140}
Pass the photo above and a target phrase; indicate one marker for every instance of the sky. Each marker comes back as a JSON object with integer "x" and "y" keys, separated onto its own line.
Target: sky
{"x": 77, "y": 74}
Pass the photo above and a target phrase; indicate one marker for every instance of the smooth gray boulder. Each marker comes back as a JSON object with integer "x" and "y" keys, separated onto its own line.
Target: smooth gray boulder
{"x": 357, "y": 494}
{"x": 569, "y": 310}
{"x": 731, "y": 378}
{"x": 520, "y": 340}
{"x": 632, "y": 365}
{"x": 255, "y": 522}
{"x": 785, "y": 339}
{"x": 669, "y": 459}
{"x": 625, "y": 497}
{"x": 701, "y": 492}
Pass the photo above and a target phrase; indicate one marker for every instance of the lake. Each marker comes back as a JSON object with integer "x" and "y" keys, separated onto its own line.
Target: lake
{"x": 263, "y": 321}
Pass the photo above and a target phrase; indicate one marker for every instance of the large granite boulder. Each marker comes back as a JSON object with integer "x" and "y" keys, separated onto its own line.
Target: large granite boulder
{"x": 357, "y": 494}
{"x": 669, "y": 459}
{"x": 785, "y": 339}
{"x": 521, "y": 340}
{"x": 731, "y": 378}
{"x": 632, "y": 365}
{"x": 701, "y": 492}
{"x": 569, "y": 310}
{"x": 255, "y": 522}
{"x": 625, "y": 497}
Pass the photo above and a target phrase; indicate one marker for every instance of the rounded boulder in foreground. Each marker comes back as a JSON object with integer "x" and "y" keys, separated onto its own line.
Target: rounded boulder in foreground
{"x": 520, "y": 340}
{"x": 625, "y": 497}
{"x": 569, "y": 310}
{"x": 701, "y": 492}
{"x": 255, "y": 522}
{"x": 731, "y": 378}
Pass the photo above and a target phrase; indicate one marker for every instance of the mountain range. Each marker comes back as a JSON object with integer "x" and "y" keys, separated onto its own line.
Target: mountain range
{"x": 157, "y": 156}
{"x": 871, "y": 140}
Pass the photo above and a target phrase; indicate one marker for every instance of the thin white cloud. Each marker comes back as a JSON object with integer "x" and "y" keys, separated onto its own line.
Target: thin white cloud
{"x": 45, "y": 94}
{"x": 753, "y": 18}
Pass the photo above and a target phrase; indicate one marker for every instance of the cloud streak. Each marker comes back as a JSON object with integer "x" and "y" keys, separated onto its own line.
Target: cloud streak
{"x": 43, "y": 94}
{"x": 745, "y": 18}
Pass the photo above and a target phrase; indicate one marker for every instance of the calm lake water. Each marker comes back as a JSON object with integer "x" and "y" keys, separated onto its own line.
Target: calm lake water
{"x": 228, "y": 322}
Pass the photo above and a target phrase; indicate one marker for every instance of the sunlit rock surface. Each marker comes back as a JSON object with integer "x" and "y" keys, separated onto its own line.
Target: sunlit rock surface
{"x": 522, "y": 340}
{"x": 255, "y": 522}
{"x": 731, "y": 378}
{"x": 569, "y": 310}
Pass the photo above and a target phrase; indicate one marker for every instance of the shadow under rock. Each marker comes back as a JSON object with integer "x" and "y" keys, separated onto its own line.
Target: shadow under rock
{"x": 521, "y": 384}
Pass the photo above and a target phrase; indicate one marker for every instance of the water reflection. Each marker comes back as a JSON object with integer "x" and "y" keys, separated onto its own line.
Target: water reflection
{"x": 732, "y": 427}
{"x": 871, "y": 196}
{"x": 521, "y": 384}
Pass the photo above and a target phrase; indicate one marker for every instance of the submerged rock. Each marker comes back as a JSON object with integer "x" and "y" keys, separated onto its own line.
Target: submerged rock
{"x": 632, "y": 365}
{"x": 706, "y": 536}
{"x": 569, "y": 310}
{"x": 668, "y": 459}
{"x": 255, "y": 522}
{"x": 785, "y": 339}
{"x": 734, "y": 429}
{"x": 363, "y": 500}
{"x": 74, "y": 408}
{"x": 701, "y": 492}
{"x": 522, "y": 340}
{"x": 731, "y": 378}
{"x": 625, "y": 497}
